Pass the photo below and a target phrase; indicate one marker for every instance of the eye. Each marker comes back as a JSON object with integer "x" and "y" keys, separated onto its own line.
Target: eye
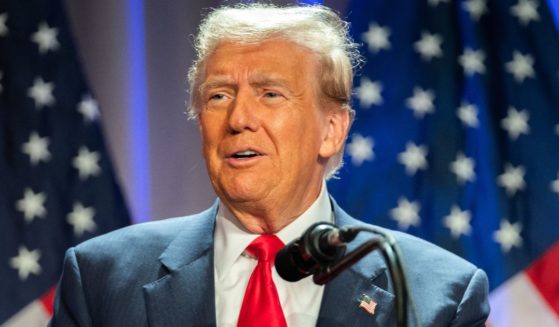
{"x": 271, "y": 94}
{"x": 217, "y": 96}
{"x": 272, "y": 97}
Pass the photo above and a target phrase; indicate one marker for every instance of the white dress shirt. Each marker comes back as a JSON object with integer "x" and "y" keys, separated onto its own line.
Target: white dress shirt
{"x": 300, "y": 300}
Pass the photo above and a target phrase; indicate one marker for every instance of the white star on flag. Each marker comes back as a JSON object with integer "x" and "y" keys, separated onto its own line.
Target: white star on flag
{"x": 467, "y": 113}
{"x": 458, "y": 222}
{"x": 81, "y": 219}
{"x": 360, "y": 149}
{"x": 36, "y": 148}
{"x": 557, "y": 129}
{"x": 526, "y": 11}
{"x": 512, "y": 179}
{"x": 406, "y": 213}
{"x": 41, "y": 93}
{"x": 434, "y": 3}
{"x": 32, "y": 205}
{"x": 472, "y": 61}
{"x": 508, "y": 235}
{"x": 42, "y": 126}
{"x": 87, "y": 163}
{"x": 413, "y": 158}
{"x": 516, "y": 123}
{"x": 521, "y": 66}
{"x": 89, "y": 109}
{"x": 368, "y": 93}
{"x": 421, "y": 102}
{"x": 3, "y": 27}
{"x": 26, "y": 262}
{"x": 45, "y": 37}
{"x": 377, "y": 38}
{"x": 476, "y": 8}
{"x": 463, "y": 168}
{"x": 429, "y": 46}
{"x": 555, "y": 184}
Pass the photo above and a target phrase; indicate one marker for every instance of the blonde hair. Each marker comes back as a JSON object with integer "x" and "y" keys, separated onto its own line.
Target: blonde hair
{"x": 315, "y": 27}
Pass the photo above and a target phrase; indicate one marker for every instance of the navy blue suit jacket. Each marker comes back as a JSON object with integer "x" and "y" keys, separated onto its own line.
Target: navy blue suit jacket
{"x": 161, "y": 274}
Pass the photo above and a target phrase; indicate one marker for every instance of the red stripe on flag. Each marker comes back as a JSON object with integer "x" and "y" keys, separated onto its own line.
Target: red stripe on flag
{"x": 47, "y": 300}
{"x": 544, "y": 274}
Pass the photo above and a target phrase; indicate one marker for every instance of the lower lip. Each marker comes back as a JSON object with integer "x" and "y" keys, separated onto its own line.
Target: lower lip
{"x": 243, "y": 162}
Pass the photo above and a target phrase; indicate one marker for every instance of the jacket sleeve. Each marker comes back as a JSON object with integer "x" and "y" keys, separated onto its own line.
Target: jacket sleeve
{"x": 70, "y": 305}
{"x": 473, "y": 309}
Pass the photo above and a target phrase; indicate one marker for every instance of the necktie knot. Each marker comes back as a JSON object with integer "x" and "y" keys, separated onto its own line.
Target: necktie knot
{"x": 265, "y": 247}
{"x": 261, "y": 304}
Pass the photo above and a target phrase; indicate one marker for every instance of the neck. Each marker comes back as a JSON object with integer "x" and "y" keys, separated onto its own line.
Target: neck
{"x": 269, "y": 218}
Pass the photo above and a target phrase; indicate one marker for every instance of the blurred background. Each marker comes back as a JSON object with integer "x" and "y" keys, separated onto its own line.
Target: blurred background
{"x": 456, "y": 138}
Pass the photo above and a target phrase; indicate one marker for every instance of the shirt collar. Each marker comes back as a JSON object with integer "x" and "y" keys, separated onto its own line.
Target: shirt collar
{"x": 231, "y": 238}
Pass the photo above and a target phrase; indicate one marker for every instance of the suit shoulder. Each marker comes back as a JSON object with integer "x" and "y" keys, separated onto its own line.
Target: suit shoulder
{"x": 446, "y": 289}
{"x": 149, "y": 236}
{"x": 418, "y": 254}
{"x": 416, "y": 250}
{"x": 458, "y": 286}
{"x": 421, "y": 252}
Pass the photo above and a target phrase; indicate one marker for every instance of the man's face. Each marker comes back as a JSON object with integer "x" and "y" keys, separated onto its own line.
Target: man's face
{"x": 266, "y": 136}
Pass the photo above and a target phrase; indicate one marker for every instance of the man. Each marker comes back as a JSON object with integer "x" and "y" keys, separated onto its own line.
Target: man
{"x": 270, "y": 90}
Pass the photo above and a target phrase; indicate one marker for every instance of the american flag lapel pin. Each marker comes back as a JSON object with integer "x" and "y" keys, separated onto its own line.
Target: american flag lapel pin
{"x": 367, "y": 304}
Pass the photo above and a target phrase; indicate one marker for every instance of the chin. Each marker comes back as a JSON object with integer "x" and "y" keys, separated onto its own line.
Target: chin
{"x": 243, "y": 193}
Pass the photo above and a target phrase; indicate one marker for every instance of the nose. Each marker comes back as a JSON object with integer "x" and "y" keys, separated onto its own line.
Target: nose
{"x": 243, "y": 114}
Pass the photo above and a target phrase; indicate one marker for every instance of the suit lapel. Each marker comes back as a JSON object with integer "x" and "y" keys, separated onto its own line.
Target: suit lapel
{"x": 340, "y": 302}
{"x": 184, "y": 295}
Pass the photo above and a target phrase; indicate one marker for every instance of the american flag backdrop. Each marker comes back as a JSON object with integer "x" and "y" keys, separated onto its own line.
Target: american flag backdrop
{"x": 457, "y": 139}
{"x": 57, "y": 187}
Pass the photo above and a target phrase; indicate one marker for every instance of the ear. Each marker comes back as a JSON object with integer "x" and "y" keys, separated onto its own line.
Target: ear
{"x": 337, "y": 125}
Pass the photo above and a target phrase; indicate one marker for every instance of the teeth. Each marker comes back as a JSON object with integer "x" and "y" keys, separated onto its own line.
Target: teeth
{"x": 246, "y": 153}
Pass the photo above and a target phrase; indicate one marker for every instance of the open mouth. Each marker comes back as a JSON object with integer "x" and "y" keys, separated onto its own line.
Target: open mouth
{"x": 247, "y": 154}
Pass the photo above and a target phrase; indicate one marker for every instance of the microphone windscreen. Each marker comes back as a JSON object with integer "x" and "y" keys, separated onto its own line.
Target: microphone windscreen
{"x": 286, "y": 267}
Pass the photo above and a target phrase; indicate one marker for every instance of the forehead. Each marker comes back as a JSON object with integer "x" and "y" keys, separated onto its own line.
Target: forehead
{"x": 275, "y": 58}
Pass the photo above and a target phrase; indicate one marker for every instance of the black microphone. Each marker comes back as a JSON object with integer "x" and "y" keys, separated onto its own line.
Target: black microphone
{"x": 321, "y": 245}
{"x": 320, "y": 251}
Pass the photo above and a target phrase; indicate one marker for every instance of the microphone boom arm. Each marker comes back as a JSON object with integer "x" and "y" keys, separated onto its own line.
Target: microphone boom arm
{"x": 391, "y": 254}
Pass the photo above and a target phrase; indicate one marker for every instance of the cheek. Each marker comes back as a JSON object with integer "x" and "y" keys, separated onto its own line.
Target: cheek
{"x": 210, "y": 128}
{"x": 206, "y": 141}
{"x": 210, "y": 137}
{"x": 303, "y": 140}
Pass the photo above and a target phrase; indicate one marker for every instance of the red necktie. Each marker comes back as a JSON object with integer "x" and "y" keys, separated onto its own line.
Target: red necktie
{"x": 261, "y": 305}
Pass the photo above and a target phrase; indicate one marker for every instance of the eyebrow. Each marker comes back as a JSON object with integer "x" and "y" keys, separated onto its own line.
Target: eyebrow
{"x": 215, "y": 82}
{"x": 259, "y": 80}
